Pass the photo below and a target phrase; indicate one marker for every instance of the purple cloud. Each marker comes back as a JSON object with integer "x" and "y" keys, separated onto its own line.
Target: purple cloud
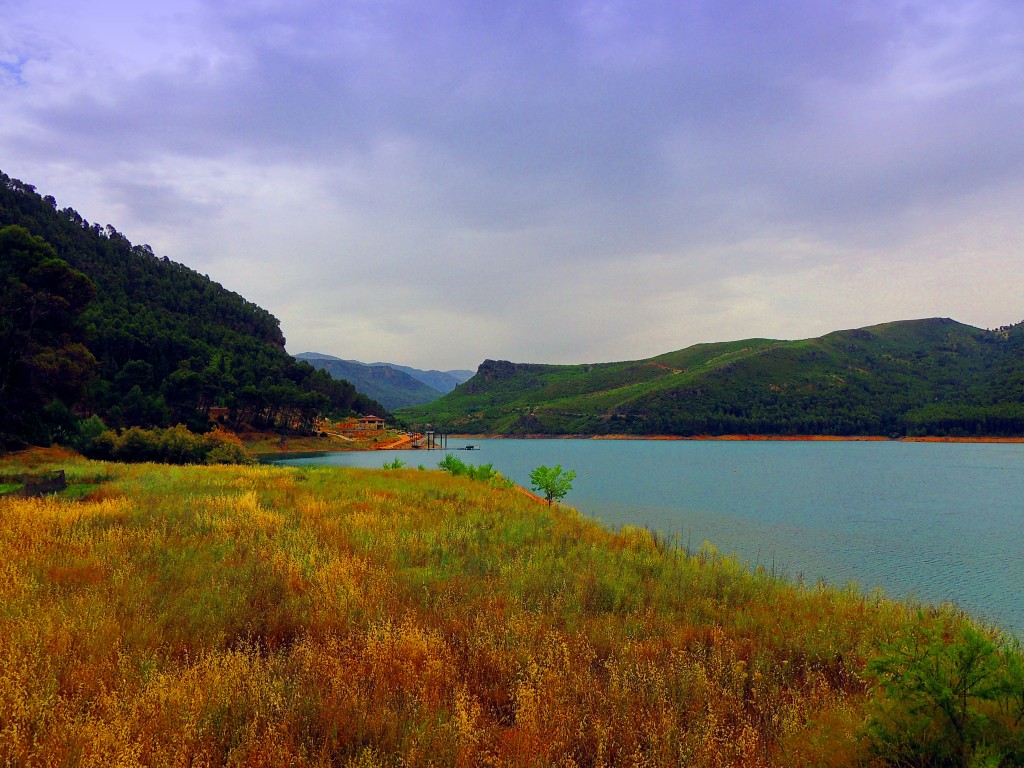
{"x": 696, "y": 148}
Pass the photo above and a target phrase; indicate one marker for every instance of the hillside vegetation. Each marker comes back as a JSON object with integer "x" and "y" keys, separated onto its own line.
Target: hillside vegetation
{"x": 919, "y": 377}
{"x": 91, "y": 324}
{"x": 267, "y": 616}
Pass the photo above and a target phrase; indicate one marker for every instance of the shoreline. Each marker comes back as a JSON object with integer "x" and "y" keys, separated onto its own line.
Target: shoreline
{"x": 311, "y": 446}
{"x": 754, "y": 438}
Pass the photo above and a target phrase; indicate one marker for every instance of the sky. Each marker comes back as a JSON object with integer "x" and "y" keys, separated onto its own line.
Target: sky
{"x": 436, "y": 183}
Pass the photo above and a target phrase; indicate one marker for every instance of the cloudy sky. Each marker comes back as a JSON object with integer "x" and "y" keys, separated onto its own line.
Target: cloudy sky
{"x": 435, "y": 183}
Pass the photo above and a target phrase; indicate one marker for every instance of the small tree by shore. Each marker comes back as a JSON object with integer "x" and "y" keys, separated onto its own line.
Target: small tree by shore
{"x": 553, "y": 482}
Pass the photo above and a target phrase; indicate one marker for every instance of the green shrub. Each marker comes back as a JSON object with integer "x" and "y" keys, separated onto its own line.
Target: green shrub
{"x": 485, "y": 473}
{"x": 88, "y": 430}
{"x": 178, "y": 445}
{"x": 137, "y": 444}
{"x": 174, "y": 445}
{"x": 102, "y": 446}
{"x": 227, "y": 452}
{"x": 226, "y": 448}
{"x": 452, "y": 465}
{"x": 948, "y": 697}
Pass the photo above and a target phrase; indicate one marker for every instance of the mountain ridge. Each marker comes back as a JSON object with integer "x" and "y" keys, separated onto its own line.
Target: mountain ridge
{"x": 393, "y": 385}
{"x": 443, "y": 381}
{"x": 931, "y": 376}
{"x": 389, "y": 386}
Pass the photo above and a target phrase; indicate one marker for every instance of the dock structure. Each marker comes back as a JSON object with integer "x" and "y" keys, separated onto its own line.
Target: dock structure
{"x": 432, "y": 440}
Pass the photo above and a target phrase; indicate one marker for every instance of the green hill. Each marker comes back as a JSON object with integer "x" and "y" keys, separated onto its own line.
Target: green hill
{"x": 917, "y": 377}
{"x": 92, "y": 324}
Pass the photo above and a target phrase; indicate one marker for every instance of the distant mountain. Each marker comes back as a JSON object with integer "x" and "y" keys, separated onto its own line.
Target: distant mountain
{"x": 443, "y": 381}
{"x": 916, "y": 377}
{"x": 389, "y": 385}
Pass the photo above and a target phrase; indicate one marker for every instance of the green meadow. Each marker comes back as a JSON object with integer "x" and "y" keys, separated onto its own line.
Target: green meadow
{"x": 153, "y": 615}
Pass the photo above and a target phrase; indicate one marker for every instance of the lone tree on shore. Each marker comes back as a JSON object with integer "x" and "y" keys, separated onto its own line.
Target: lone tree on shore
{"x": 552, "y": 482}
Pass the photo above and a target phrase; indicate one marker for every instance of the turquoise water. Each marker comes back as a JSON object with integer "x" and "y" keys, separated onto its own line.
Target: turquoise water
{"x": 932, "y": 521}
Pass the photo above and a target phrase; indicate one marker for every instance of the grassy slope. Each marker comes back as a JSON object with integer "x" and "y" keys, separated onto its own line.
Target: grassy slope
{"x": 845, "y": 382}
{"x": 320, "y": 616}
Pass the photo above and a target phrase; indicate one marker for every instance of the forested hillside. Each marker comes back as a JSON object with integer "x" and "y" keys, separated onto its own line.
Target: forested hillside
{"x": 92, "y": 324}
{"x": 920, "y": 377}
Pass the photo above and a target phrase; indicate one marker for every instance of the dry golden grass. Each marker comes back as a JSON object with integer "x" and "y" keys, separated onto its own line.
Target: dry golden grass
{"x": 263, "y": 616}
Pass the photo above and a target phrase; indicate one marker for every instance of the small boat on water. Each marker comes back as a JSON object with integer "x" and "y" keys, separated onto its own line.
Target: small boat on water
{"x": 469, "y": 448}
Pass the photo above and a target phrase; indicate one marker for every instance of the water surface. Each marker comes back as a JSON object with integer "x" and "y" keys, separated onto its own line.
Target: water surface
{"x": 933, "y": 521}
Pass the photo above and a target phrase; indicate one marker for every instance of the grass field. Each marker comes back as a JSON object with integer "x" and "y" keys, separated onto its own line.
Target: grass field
{"x": 264, "y": 616}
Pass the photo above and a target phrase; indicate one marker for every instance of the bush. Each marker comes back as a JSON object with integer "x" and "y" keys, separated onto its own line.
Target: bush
{"x": 178, "y": 445}
{"x": 174, "y": 445}
{"x": 138, "y": 444}
{"x": 948, "y": 697}
{"x": 225, "y": 448}
{"x": 88, "y": 430}
{"x": 453, "y": 465}
{"x": 102, "y": 446}
{"x": 485, "y": 473}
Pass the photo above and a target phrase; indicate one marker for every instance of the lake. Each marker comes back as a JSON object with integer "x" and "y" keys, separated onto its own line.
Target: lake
{"x": 932, "y": 521}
